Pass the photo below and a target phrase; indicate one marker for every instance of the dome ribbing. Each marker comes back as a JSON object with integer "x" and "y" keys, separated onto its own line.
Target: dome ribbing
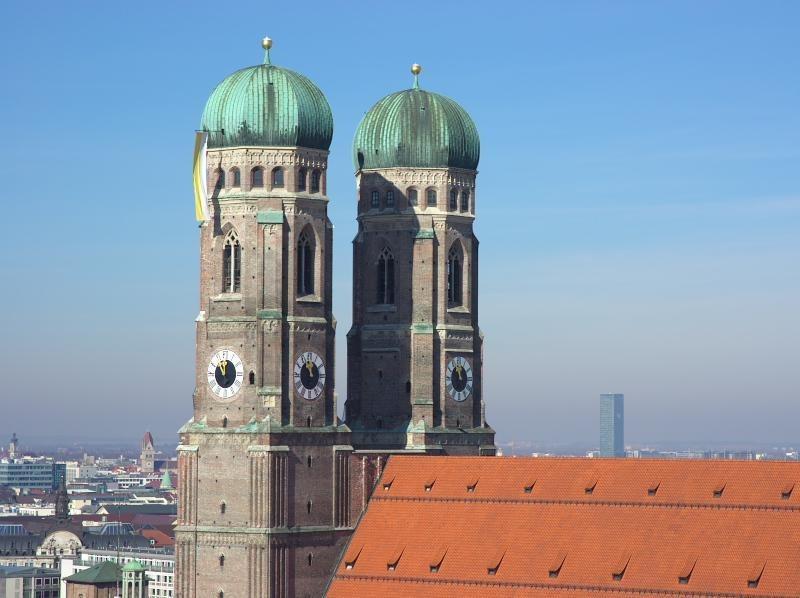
{"x": 418, "y": 129}
{"x": 266, "y": 105}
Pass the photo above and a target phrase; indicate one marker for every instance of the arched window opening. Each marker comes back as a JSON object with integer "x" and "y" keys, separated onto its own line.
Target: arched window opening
{"x": 385, "y": 277}
{"x": 221, "y": 594}
{"x": 310, "y": 559}
{"x": 222, "y": 560}
{"x": 412, "y": 197}
{"x": 453, "y": 199}
{"x": 257, "y": 177}
{"x": 375, "y": 202}
{"x": 231, "y": 264}
{"x": 236, "y": 177}
{"x": 455, "y": 263}
{"x": 308, "y": 422}
{"x": 390, "y": 199}
{"x": 252, "y": 378}
{"x": 220, "y": 182}
{"x": 465, "y": 201}
{"x": 301, "y": 179}
{"x": 277, "y": 177}
{"x": 305, "y": 265}
{"x": 308, "y": 460}
{"x": 431, "y": 198}
{"x": 225, "y": 421}
{"x": 222, "y": 508}
{"x": 315, "y": 178}
{"x": 308, "y": 507}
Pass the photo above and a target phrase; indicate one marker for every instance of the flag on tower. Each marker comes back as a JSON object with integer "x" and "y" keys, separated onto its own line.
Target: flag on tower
{"x": 199, "y": 176}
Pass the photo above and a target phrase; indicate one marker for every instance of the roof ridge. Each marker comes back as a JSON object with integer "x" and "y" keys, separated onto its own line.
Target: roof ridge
{"x": 571, "y": 587}
{"x": 606, "y": 503}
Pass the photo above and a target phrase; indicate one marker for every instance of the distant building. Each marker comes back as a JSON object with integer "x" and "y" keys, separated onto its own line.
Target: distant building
{"x": 29, "y": 582}
{"x": 612, "y": 425}
{"x": 159, "y": 567}
{"x": 12, "y": 446}
{"x": 30, "y": 473}
{"x": 147, "y": 457}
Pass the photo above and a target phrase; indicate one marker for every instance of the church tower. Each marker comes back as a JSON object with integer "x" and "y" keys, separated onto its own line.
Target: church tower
{"x": 263, "y": 461}
{"x": 147, "y": 454}
{"x": 415, "y": 363}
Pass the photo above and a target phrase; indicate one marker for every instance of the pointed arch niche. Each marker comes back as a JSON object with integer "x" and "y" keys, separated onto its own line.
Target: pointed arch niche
{"x": 306, "y": 262}
{"x": 231, "y": 263}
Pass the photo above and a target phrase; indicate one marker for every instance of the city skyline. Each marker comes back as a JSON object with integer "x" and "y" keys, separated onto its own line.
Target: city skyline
{"x": 665, "y": 232}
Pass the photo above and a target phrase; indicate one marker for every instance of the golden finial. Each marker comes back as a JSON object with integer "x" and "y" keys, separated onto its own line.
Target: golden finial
{"x": 266, "y": 43}
{"x": 416, "y": 69}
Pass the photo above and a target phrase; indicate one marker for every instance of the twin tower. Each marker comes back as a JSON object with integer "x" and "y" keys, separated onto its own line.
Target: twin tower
{"x": 271, "y": 480}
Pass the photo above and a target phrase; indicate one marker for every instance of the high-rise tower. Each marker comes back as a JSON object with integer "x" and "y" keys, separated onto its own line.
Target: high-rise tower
{"x": 262, "y": 462}
{"x": 415, "y": 363}
{"x": 612, "y": 425}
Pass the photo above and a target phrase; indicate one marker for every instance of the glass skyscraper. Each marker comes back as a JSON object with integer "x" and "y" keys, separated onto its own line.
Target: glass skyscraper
{"x": 612, "y": 425}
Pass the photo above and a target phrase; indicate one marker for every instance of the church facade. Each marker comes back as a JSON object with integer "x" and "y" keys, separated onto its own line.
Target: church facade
{"x": 271, "y": 480}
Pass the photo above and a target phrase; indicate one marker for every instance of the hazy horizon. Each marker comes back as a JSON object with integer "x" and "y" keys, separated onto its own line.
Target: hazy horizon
{"x": 638, "y": 204}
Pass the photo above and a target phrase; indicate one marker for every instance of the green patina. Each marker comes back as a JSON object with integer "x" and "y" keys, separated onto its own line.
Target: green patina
{"x": 269, "y": 106}
{"x": 422, "y": 328}
{"x": 425, "y": 233}
{"x": 134, "y": 566}
{"x": 269, "y": 314}
{"x": 416, "y": 129}
{"x": 270, "y": 217}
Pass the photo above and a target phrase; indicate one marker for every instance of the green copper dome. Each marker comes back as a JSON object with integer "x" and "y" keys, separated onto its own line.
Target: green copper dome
{"x": 134, "y": 566}
{"x": 419, "y": 129}
{"x": 266, "y": 105}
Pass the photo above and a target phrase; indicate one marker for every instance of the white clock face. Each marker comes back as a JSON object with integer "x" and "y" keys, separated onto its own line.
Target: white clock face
{"x": 459, "y": 378}
{"x": 225, "y": 373}
{"x": 309, "y": 375}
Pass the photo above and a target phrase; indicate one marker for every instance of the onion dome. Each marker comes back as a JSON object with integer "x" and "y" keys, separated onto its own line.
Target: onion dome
{"x": 266, "y": 105}
{"x": 416, "y": 128}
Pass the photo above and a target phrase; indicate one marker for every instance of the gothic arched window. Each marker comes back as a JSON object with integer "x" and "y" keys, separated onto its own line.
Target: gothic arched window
{"x": 231, "y": 264}
{"x": 277, "y": 178}
{"x": 385, "y": 278}
{"x": 236, "y": 177}
{"x": 315, "y": 178}
{"x": 375, "y": 201}
{"x": 412, "y": 197}
{"x": 301, "y": 179}
{"x": 455, "y": 275}
{"x": 453, "y": 199}
{"x": 431, "y": 198}
{"x": 257, "y": 177}
{"x": 220, "y": 182}
{"x": 305, "y": 265}
{"x": 390, "y": 199}
{"x": 465, "y": 201}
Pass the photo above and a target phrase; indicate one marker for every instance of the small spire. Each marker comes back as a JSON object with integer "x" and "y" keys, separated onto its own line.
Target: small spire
{"x": 266, "y": 43}
{"x": 416, "y": 69}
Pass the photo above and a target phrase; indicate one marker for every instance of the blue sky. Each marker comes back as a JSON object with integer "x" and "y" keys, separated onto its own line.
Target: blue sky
{"x": 638, "y": 202}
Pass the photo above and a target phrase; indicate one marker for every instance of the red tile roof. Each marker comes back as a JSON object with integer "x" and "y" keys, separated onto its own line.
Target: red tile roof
{"x": 491, "y": 526}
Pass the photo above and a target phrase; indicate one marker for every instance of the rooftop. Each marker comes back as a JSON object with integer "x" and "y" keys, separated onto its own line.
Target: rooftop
{"x": 484, "y": 526}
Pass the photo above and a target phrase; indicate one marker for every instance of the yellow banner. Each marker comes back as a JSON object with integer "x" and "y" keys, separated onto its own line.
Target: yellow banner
{"x": 199, "y": 177}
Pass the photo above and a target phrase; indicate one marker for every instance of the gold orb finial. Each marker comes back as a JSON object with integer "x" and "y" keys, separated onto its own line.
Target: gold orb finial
{"x": 266, "y": 43}
{"x": 416, "y": 69}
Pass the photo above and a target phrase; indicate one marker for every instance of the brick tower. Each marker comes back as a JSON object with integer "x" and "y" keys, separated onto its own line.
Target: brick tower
{"x": 415, "y": 369}
{"x": 263, "y": 461}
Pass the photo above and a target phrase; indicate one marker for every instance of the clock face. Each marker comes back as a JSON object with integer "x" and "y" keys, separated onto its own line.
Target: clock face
{"x": 459, "y": 378}
{"x": 225, "y": 373}
{"x": 309, "y": 375}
